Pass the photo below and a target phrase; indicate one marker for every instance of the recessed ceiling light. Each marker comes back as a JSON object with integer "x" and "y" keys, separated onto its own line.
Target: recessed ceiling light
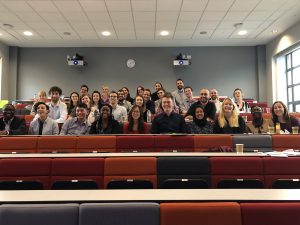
{"x": 0, "y": 34}
{"x": 106, "y": 33}
{"x": 164, "y": 33}
{"x": 242, "y": 32}
{"x": 67, "y": 33}
{"x": 203, "y": 32}
{"x": 8, "y": 26}
{"x": 28, "y": 33}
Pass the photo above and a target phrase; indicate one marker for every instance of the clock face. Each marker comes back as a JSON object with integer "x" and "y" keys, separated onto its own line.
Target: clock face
{"x": 130, "y": 63}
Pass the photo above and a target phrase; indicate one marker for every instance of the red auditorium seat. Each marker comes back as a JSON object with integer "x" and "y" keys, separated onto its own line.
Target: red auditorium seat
{"x": 18, "y": 144}
{"x": 178, "y": 143}
{"x": 283, "y": 142}
{"x": 35, "y": 169}
{"x": 96, "y": 143}
{"x": 270, "y": 213}
{"x": 213, "y": 213}
{"x": 56, "y": 144}
{"x": 130, "y": 168}
{"x": 204, "y": 143}
{"x": 280, "y": 168}
{"x": 235, "y": 168}
{"x": 78, "y": 169}
{"x": 135, "y": 143}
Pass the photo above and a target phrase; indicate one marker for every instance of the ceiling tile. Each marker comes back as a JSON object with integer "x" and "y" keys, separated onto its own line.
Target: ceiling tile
{"x": 166, "y": 16}
{"x": 147, "y": 5}
{"x": 237, "y": 16}
{"x": 242, "y": 5}
{"x": 101, "y": 26}
{"x": 222, "y": 33}
{"x": 252, "y": 24}
{"x": 17, "y": 6}
{"x": 190, "y": 16}
{"x": 168, "y": 5}
{"x": 123, "y": 26}
{"x": 68, "y": 6}
{"x": 226, "y": 25}
{"x": 93, "y": 6}
{"x": 144, "y": 16}
{"x": 8, "y": 17}
{"x": 47, "y": 32}
{"x": 40, "y": 25}
{"x": 82, "y": 25}
{"x": 165, "y": 26}
{"x": 213, "y": 15}
{"x": 217, "y": 5}
{"x": 258, "y": 15}
{"x": 121, "y": 16}
{"x": 269, "y": 5}
{"x": 29, "y": 16}
{"x": 145, "y": 35}
{"x": 42, "y": 6}
{"x": 145, "y": 26}
{"x": 194, "y": 5}
{"x": 78, "y": 17}
{"x": 208, "y": 25}
{"x": 61, "y": 26}
{"x": 118, "y": 5}
{"x": 52, "y": 16}
{"x": 186, "y": 26}
{"x": 98, "y": 16}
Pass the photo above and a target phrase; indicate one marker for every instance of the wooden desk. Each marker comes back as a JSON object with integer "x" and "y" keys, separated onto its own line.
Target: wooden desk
{"x": 156, "y": 195}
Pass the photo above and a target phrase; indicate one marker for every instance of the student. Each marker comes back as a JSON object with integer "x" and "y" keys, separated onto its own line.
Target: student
{"x": 136, "y": 124}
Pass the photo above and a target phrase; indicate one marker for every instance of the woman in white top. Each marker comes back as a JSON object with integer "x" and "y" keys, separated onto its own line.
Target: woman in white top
{"x": 43, "y": 125}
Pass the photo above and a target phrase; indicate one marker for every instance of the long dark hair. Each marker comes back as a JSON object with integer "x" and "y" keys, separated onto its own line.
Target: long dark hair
{"x": 71, "y": 104}
{"x": 99, "y": 102}
{"x": 140, "y": 120}
{"x": 286, "y": 116}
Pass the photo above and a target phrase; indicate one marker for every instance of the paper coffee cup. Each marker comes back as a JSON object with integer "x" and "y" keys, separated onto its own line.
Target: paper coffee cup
{"x": 239, "y": 148}
{"x": 295, "y": 130}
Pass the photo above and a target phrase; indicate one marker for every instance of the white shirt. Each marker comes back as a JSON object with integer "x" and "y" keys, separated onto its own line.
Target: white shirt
{"x": 58, "y": 112}
{"x": 119, "y": 112}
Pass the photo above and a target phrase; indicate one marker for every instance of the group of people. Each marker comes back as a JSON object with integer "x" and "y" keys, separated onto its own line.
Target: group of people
{"x": 116, "y": 112}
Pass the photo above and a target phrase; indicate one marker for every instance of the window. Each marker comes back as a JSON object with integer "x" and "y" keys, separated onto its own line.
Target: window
{"x": 288, "y": 79}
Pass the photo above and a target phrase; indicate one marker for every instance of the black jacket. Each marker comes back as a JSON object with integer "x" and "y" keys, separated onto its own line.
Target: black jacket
{"x": 17, "y": 126}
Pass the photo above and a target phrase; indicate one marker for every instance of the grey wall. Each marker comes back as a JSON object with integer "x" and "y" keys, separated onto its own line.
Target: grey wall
{"x": 4, "y": 54}
{"x": 224, "y": 68}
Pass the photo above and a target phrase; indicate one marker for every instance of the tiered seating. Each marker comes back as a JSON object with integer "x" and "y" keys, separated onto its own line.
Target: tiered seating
{"x": 18, "y": 144}
{"x": 223, "y": 168}
{"x": 169, "y": 143}
{"x": 253, "y": 142}
{"x": 280, "y": 168}
{"x": 37, "y": 214}
{"x": 132, "y": 168}
{"x": 283, "y": 142}
{"x": 136, "y": 144}
{"x": 187, "y": 168}
{"x": 96, "y": 144}
{"x": 119, "y": 213}
{"x": 225, "y": 213}
{"x": 68, "y": 169}
{"x": 30, "y": 169}
{"x": 56, "y": 144}
{"x": 204, "y": 143}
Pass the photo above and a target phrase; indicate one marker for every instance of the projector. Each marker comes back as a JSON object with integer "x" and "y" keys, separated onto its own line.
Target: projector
{"x": 182, "y": 60}
{"x": 76, "y": 60}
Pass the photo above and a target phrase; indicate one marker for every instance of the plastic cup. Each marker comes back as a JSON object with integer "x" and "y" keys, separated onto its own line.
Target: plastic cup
{"x": 271, "y": 129}
{"x": 239, "y": 148}
{"x": 295, "y": 130}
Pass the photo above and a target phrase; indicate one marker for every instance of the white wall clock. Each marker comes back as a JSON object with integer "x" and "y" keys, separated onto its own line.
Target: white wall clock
{"x": 130, "y": 63}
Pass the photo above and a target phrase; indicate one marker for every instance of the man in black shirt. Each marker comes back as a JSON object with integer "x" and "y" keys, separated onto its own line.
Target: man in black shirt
{"x": 209, "y": 107}
{"x": 10, "y": 124}
{"x": 168, "y": 121}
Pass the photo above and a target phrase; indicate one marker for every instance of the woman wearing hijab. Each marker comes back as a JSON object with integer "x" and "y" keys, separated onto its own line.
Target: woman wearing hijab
{"x": 200, "y": 124}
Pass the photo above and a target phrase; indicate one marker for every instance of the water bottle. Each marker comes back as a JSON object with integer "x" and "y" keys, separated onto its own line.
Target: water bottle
{"x": 148, "y": 116}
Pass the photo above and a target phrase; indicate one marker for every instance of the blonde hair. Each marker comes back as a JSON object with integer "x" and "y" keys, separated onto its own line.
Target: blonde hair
{"x": 234, "y": 117}
{"x": 42, "y": 93}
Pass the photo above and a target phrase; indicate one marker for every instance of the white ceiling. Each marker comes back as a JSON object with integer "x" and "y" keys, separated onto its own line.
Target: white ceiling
{"x": 138, "y": 22}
